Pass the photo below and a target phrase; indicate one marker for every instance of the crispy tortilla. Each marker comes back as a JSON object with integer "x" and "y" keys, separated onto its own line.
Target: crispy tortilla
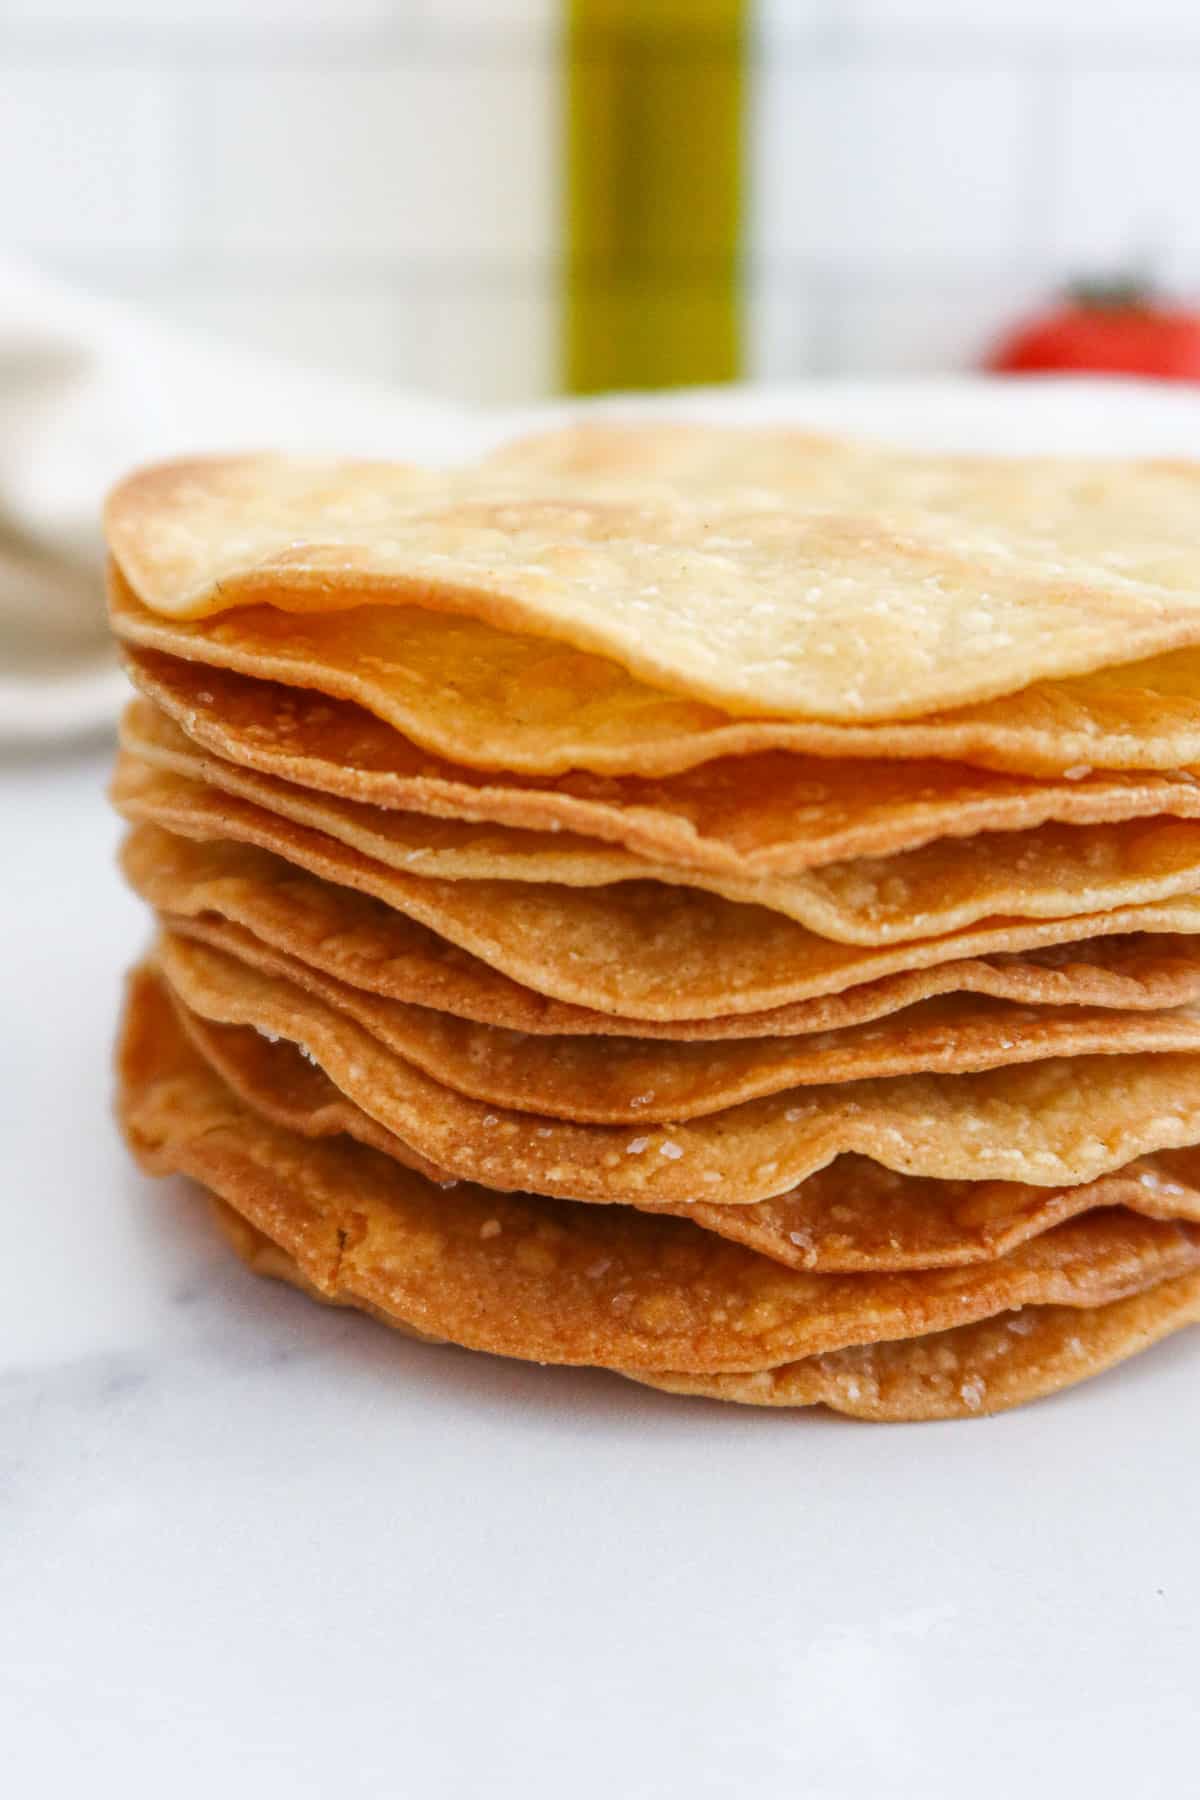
{"x": 846, "y": 606}
{"x": 631, "y": 1080}
{"x": 252, "y": 902}
{"x": 1050, "y": 1124}
{"x": 852, "y": 1216}
{"x": 774, "y": 813}
{"x": 558, "y": 1283}
{"x": 638, "y": 949}
{"x": 1054, "y": 872}
{"x": 449, "y": 685}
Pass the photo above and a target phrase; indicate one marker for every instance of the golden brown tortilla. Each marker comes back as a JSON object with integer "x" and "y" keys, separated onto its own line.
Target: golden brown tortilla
{"x": 559, "y": 1283}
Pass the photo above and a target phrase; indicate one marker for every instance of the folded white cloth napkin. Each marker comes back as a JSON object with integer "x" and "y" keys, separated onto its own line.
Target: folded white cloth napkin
{"x": 89, "y": 390}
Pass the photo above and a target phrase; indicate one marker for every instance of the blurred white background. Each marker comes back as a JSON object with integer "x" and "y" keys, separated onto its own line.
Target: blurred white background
{"x": 373, "y": 186}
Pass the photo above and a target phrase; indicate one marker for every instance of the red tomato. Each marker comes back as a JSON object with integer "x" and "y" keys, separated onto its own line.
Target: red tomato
{"x": 1115, "y": 331}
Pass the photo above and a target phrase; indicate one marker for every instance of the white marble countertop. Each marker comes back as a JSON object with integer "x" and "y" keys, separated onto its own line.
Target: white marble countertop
{"x": 250, "y": 1547}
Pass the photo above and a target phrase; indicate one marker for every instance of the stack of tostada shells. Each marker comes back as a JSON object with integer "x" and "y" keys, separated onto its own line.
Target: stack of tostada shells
{"x": 720, "y": 905}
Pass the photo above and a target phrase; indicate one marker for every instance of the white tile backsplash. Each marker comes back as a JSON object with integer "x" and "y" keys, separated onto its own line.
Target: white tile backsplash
{"x": 540, "y": 16}
{"x": 888, "y": 329}
{"x": 926, "y": 172}
{"x": 373, "y": 185}
{"x": 434, "y": 162}
{"x": 780, "y": 320}
{"x": 371, "y": 335}
{"x": 87, "y": 159}
{"x": 860, "y": 165}
{"x": 786, "y": 25}
{"x": 1127, "y": 189}
{"x": 497, "y": 344}
{"x": 1075, "y": 24}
